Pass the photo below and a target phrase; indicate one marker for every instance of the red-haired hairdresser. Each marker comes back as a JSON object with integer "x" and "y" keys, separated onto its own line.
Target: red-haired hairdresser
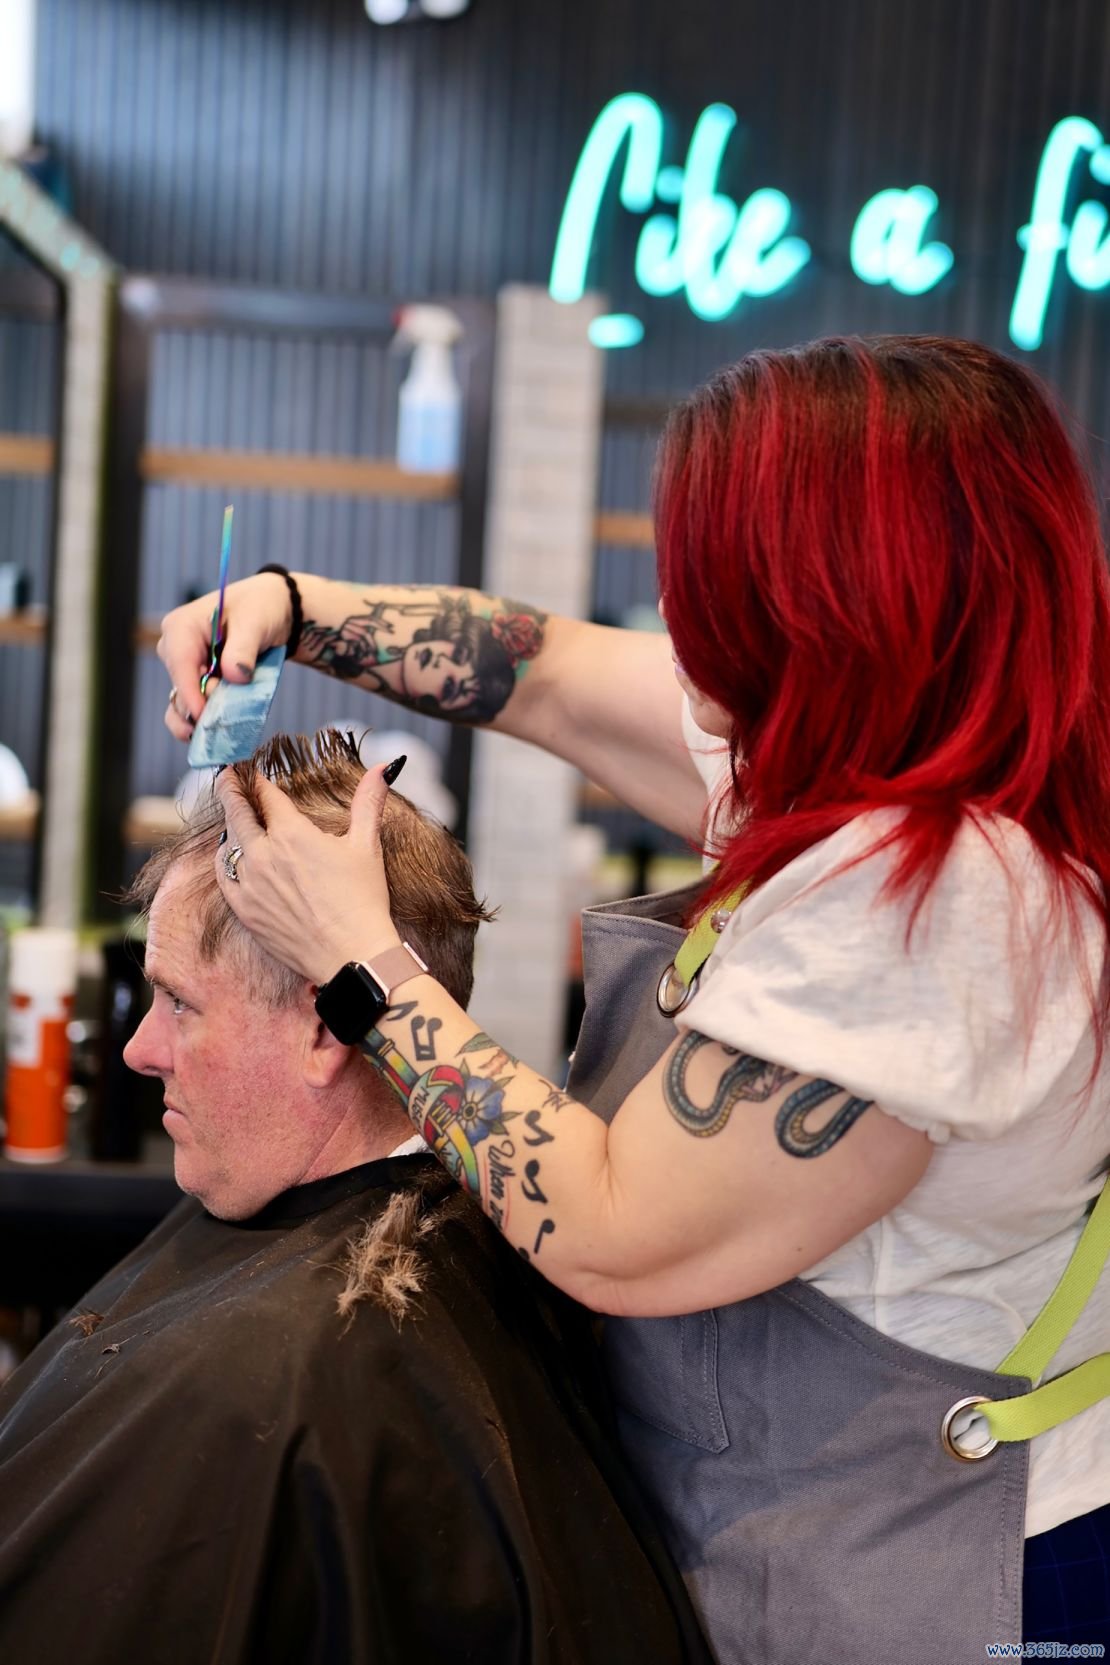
{"x": 828, "y": 1168}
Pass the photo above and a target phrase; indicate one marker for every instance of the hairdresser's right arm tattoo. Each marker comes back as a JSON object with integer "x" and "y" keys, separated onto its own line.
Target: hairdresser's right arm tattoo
{"x": 461, "y": 1113}
{"x": 754, "y": 1080}
{"x": 456, "y": 654}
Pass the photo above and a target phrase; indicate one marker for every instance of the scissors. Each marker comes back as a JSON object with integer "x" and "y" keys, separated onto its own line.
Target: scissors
{"x": 218, "y": 615}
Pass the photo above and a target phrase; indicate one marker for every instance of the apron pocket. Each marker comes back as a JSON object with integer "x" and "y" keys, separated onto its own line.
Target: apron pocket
{"x": 664, "y": 1371}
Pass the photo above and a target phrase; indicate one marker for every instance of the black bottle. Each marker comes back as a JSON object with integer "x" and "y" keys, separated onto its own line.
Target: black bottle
{"x": 116, "y": 1124}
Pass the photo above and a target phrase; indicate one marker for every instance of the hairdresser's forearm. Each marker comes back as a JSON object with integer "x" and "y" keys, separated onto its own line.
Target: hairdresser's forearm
{"x": 533, "y": 1157}
{"x": 454, "y": 653}
{"x": 606, "y": 700}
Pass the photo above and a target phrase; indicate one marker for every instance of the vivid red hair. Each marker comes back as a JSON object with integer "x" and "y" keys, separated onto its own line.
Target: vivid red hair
{"x": 883, "y": 559}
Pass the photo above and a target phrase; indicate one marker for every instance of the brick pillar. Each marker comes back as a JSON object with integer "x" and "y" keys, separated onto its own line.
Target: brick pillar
{"x": 545, "y": 443}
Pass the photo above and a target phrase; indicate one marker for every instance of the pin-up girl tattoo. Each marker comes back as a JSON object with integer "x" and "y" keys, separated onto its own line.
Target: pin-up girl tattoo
{"x": 437, "y": 655}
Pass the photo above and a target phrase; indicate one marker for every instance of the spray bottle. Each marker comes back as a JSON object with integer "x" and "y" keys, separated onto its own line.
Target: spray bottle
{"x": 42, "y": 979}
{"x": 429, "y": 426}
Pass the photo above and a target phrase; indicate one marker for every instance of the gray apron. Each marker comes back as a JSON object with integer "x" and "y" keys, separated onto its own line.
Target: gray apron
{"x": 792, "y": 1452}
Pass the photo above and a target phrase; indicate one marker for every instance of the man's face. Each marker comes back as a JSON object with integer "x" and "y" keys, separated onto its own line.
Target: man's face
{"x": 429, "y": 669}
{"x": 243, "y": 1124}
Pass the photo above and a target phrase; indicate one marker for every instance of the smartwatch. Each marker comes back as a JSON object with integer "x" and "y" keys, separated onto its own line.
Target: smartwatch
{"x": 355, "y": 998}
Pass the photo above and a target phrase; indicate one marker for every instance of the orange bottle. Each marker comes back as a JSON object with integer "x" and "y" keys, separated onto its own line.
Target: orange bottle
{"x": 42, "y": 975}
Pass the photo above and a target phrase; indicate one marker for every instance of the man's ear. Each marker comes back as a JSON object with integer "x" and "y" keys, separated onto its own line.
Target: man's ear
{"x": 324, "y": 1057}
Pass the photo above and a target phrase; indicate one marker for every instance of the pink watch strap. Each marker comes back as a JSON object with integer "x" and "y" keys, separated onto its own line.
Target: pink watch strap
{"x": 395, "y": 967}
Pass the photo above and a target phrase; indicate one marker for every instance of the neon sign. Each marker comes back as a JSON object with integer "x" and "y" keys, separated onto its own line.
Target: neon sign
{"x": 717, "y": 252}
{"x": 1047, "y": 235}
{"x": 713, "y": 249}
{"x": 887, "y": 242}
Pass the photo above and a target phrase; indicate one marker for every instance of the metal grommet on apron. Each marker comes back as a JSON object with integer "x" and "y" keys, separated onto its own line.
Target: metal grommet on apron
{"x": 673, "y": 994}
{"x": 951, "y": 1433}
{"x": 679, "y": 982}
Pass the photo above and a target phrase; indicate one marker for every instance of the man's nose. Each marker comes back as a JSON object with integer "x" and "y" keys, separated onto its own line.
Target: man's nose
{"x": 145, "y": 1052}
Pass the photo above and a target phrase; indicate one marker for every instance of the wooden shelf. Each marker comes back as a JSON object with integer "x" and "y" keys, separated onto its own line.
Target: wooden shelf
{"x": 18, "y": 821}
{"x": 26, "y": 454}
{"x": 633, "y": 531}
{"x": 25, "y": 627}
{"x": 292, "y": 471}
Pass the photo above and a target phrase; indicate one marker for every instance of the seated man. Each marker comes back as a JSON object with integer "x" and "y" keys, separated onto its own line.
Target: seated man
{"x": 323, "y": 1413}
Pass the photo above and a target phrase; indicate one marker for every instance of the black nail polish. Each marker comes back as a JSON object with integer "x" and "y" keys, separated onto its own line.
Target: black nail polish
{"x": 222, "y": 838}
{"x": 389, "y": 775}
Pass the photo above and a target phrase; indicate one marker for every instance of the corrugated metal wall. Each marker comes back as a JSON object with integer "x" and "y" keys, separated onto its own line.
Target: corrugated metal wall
{"x": 291, "y": 142}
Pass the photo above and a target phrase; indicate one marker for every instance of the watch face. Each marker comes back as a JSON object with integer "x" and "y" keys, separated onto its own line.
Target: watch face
{"x": 351, "y": 1003}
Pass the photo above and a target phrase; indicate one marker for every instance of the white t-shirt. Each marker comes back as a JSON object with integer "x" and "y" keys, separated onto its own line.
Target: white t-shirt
{"x": 980, "y": 1035}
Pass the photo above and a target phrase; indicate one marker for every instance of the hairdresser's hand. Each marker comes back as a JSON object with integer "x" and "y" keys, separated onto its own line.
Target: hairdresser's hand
{"x": 310, "y": 899}
{"x": 257, "y": 616}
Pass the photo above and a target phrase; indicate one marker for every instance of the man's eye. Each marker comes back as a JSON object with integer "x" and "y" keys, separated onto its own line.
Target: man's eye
{"x": 178, "y": 1005}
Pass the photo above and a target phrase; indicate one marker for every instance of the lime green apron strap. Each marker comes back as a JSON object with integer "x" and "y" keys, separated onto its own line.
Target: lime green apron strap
{"x": 1044, "y": 1337}
{"x": 1030, "y": 1414}
{"x": 700, "y": 942}
{"x": 1046, "y": 1407}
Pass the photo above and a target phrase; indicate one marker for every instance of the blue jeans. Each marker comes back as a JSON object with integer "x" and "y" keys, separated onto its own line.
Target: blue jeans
{"x": 1066, "y": 1588}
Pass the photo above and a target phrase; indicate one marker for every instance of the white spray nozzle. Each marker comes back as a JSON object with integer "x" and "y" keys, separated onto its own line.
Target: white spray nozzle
{"x": 427, "y": 326}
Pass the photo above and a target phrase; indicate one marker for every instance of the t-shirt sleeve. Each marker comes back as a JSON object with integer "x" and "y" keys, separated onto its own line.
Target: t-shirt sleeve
{"x": 962, "y": 1031}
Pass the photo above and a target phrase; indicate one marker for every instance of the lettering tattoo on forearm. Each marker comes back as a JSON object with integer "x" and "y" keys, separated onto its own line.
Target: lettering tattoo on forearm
{"x": 460, "y": 1113}
{"x": 443, "y": 652}
{"x": 499, "y": 1173}
{"x": 754, "y": 1080}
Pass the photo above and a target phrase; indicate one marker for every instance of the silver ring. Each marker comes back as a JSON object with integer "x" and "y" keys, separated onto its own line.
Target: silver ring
{"x": 949, "y": 1436}
{"x": 231, "y": 861}
{"x": 672, "y": 993}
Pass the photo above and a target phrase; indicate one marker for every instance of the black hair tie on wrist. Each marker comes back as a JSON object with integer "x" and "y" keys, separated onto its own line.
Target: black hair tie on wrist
{"x": 297, "y": 625}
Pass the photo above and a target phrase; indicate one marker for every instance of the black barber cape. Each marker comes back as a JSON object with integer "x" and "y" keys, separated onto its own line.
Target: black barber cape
{"x": 221, "y": 1471}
